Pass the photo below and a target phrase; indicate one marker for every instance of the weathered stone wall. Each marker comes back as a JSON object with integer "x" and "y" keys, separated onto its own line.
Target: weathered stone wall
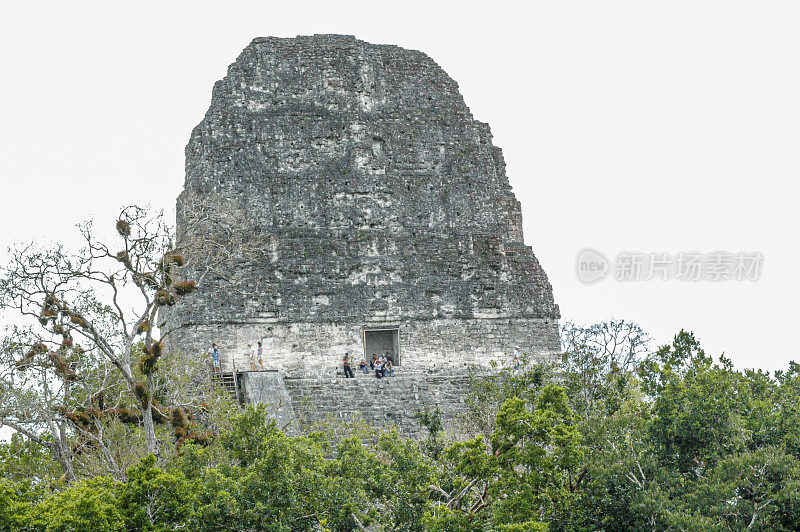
{"x": 306, "y": 349}
{"x": 391, "y": 401}
{"x": 373, "y": 197}
{"x": 268, "y": 388}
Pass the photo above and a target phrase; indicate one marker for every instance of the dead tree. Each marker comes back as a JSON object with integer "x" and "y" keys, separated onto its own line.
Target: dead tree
{"x": 56, "y": 393}
{"x": 105, "y": 297}
{"x": 593, "y": 354}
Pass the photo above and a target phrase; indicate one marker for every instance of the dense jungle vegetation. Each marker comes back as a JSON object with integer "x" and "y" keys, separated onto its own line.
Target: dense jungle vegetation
{"x": 673, "y": 441}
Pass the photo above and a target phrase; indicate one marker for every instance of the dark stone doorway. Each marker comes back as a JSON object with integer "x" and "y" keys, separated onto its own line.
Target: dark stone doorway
{"x": 381, "y": 342}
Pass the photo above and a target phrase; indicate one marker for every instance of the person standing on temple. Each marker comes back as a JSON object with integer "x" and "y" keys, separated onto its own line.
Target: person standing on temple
{"x": 260, "y": 356}
{"x": 252, "y": 355}
{"x": 348, "y": 371}
{"x": 213, "y": 357}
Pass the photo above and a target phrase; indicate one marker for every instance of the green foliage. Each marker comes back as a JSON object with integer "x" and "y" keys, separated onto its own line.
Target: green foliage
{"x": 538, "y": 455}
{"x": 405, "y": 480}
{"x": 487, "y": 395}
{"x": 22, "y": 460}
{"x": 697, "y": 406}
{"x": 674, "y": 441}
{"x": 88, "y": 505}
{"x": 431, "y": 420}
{"x": 155, "y": 499}
{"x": 16, "y": 505}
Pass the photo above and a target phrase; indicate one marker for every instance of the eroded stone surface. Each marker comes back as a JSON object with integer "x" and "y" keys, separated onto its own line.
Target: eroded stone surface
{"x": 379, "y": 202}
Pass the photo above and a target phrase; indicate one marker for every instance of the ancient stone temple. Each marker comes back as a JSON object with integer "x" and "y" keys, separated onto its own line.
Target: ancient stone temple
{"x": 381, "y": 210}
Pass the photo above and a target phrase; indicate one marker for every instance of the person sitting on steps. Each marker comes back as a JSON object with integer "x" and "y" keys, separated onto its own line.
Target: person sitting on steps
{"x": 379, "y": 371}
{"x": 363, "y": 366}
{"x": 389, "y": 368}
{"x": 373, "y": 361}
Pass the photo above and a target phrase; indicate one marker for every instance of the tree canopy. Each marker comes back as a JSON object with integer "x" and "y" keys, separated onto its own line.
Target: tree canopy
{"x": 677, "y": 441}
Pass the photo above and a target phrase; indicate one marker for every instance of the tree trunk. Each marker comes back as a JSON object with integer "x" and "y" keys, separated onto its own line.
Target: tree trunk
{"x": 61, "y": 456}
{"x": 150, "y": 429}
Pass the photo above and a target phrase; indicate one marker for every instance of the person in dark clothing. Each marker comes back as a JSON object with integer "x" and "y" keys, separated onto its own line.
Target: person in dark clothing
{"x": 373, "y": 361}
{"x": 348, "y": 371}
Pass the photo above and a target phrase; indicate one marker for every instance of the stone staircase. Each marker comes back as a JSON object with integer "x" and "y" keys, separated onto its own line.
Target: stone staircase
{"x": 298, "y": 401}
{"x": 379, "y": 402}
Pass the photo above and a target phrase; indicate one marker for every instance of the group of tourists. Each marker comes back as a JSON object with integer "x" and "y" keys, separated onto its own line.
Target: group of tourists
{"x": 381, "y": 365}
{"x": 255, "y": 355}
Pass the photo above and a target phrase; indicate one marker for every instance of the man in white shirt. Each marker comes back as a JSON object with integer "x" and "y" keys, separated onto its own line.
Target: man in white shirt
{"x": 252, "y": 356}
{"x": 382, "y": 363}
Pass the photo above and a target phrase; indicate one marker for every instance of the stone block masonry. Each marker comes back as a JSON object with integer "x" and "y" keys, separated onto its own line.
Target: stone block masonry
{"x": 267, "y": 388}
{"x": 300, "y": 402}
{"x": 308, "y": 349}
{"x": 367, "y": 199}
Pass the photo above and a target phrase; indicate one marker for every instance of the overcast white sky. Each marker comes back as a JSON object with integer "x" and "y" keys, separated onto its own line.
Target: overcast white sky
{"x": 649, "y": 126}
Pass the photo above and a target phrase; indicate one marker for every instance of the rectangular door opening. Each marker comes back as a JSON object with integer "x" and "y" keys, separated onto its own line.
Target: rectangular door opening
{"x": 382, "y": 342}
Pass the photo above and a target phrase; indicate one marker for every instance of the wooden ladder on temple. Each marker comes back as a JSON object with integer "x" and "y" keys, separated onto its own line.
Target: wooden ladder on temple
{"x": 227, "y": 379}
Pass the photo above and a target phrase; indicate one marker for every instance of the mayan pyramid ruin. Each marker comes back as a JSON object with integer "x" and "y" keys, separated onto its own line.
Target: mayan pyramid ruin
{"x": 381, "y": 217}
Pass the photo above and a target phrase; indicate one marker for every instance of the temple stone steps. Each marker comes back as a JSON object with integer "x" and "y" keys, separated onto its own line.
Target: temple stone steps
{"x": 380, "y": 402}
